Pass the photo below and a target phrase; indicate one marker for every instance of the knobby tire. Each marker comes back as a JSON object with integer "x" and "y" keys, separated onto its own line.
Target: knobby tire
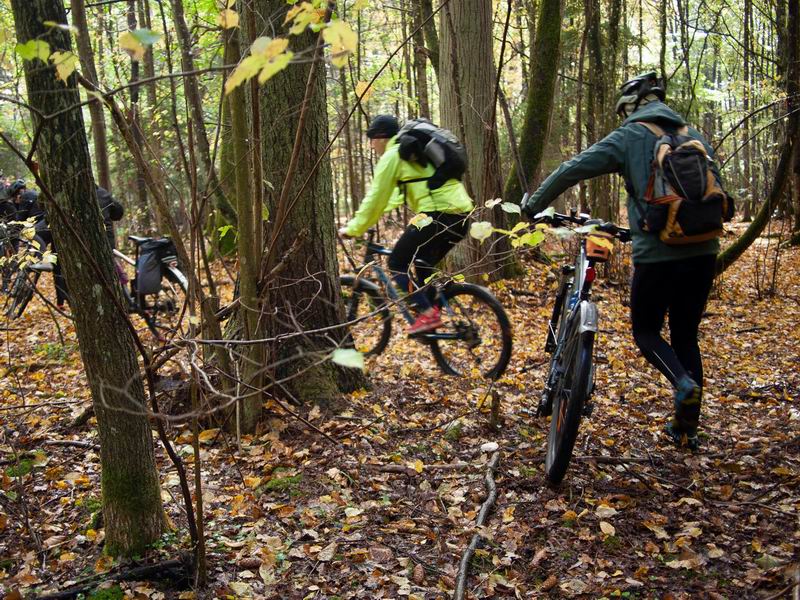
{"x": 570, "y": 395}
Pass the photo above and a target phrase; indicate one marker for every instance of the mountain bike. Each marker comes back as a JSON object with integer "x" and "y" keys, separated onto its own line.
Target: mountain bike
{"x": 571, "y": 334}
{"x": 159, "y": 310}
{"x": 476, "y": 334}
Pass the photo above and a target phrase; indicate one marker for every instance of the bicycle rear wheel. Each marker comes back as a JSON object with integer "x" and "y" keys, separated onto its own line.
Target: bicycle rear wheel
{"x": 570, "y": 393}
{"x": 163, "y": 311}
{"x": 22, "y": 291}
{"x": 481, "y": 333}
{"x": 366, "y": 310}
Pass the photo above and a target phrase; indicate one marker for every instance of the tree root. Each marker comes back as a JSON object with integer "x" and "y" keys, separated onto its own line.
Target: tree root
{"x": 488, "y": 504}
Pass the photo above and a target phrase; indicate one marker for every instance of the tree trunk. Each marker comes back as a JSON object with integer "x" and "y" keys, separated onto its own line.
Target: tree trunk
{"x": 541, "y": 94}
{"x": 195, "y": 104}
{"x": 141, "y": 188}
{"x": 252, "y": 356}
{"x": 431, "y": 37}
{"x": 96, "y": 107}
{"x": 420, "y": 60}
{"x": 467, "y": 106}
{"x": 130, "y": 485}
{"x": 305, "y": 294}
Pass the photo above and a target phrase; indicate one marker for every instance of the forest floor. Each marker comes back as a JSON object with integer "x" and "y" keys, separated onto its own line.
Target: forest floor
{"x": 388, "y": 510}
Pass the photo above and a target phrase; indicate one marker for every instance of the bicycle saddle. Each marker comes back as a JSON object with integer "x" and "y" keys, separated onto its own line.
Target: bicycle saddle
{"x": 139, "y": 240}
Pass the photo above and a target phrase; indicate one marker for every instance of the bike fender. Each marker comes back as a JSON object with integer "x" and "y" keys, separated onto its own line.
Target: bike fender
{"x": 363, "y": 283}
{"x": 179, "y": 277}
{"x": 588, "y": 320}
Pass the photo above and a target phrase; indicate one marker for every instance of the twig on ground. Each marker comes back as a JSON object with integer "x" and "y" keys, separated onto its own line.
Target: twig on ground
{"x": 612, "y": 460}
{"x": 74, "y": 443}
{"x": 412, "y": 472}
{"x": 488, "y": 504}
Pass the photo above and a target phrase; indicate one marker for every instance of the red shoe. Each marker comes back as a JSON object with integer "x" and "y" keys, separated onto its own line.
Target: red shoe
{"x": 427, "y": 321}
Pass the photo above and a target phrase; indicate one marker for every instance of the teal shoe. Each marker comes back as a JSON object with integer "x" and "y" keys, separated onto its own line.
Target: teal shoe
{"x": 687, "y": 400}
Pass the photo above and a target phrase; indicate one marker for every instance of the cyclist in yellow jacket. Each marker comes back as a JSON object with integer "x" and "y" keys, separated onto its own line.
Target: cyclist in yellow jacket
{"x": 394, "y": 182}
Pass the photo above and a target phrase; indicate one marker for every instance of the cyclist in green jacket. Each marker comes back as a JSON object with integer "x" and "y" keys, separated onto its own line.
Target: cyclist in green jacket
{"x": 666, "y": 279}
{"x": 394, "y": 182}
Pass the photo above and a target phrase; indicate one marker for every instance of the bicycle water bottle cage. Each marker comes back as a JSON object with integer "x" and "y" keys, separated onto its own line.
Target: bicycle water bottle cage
{"x": 599, "y": 245}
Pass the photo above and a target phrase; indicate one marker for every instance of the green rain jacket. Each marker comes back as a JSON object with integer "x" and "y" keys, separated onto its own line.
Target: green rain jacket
{"x": 628, "y": 150}
{"x": 388, "y": 191}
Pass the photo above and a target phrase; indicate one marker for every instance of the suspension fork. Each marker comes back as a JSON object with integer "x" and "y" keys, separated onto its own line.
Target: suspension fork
{"x": 566, "y": 272}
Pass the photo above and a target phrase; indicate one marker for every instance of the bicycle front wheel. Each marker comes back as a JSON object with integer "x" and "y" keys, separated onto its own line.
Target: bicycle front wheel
{"x": 163, "y": 311}
{"x": 476, "y": 335}
{"x": 368, "y": 315}
{"x": 570, "y": 393}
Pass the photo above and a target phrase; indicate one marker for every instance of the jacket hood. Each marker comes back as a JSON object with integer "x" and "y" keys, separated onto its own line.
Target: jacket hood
{"x": 656, "y": 112}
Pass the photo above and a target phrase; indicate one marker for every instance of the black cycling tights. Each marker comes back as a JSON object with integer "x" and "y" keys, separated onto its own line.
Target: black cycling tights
{"x": 680, "y": 287}
{"x": 429, "y": 244}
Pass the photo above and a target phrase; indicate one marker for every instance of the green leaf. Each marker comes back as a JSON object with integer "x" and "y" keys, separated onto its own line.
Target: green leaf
{"x": 63, "y": 26}
{"x": 510, "y": 207}
{"x": 481, "y": 230}
{"x": 146, "y": 37}
{"x": 532, "y": 238}
{"x": 458, "y": 277}
{"x": 33, "y": 49}
{"x": 518, "y": 226}
{"x": 347, "y": 357}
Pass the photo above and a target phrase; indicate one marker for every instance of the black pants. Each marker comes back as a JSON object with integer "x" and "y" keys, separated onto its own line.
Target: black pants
{"x": 45, "y": 238}
{"x": 680, "y": 288}
{"x": 429, "y": 244}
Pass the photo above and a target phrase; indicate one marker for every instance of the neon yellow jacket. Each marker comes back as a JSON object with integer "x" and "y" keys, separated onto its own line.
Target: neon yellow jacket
{"x": 384, "y": 195}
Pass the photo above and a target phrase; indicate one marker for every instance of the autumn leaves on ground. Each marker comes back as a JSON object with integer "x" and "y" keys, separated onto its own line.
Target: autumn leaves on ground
{"x": 387, "y": 510}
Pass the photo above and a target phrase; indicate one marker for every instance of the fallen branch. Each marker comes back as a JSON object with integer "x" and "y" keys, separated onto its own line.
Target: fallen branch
{"x": 412, "y": 472}
{"x": 488, "y": 504}
{"x": 612, "y": 460}
{"x": 172, "y": 570}
{"x": 74, "y": 443}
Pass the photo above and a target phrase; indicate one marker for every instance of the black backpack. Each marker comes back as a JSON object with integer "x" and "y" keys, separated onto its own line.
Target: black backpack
{"x": 426, "y": 143}
{"x": 685, "y": 202}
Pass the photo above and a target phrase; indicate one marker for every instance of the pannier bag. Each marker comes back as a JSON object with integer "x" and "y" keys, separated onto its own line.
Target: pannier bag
{"x": 149, "y": 265}
{"x": 425, "y": 143}
{"x": 685, "y": 202}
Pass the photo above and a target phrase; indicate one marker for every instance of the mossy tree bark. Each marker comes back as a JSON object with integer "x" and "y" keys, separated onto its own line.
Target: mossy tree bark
{"x": 467, "y": 105}
{"x": 131, "y": 493}
{"x": 304, "y": 295}
{"x": 249, "y": 250}
{"x": 541, "y": 95}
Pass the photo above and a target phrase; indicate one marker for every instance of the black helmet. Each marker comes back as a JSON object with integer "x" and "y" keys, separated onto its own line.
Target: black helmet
{"x": 15, "y": 187}
{"x": 383, "y": 126}
{"x": 634, "y": 90}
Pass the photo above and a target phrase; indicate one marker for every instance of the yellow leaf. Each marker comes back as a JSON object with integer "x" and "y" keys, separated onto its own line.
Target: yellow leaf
{"x": 569, "y": 515}
{"x": 129, "y": 43}
{"x": 252, "y": 482}
{"x": 360, "y": 4}
{"x": 275, "y": 66}
{"x": 208, "y": 435}
{"x": 418, "y": 466}
{"x": 364, "y": 90}
{"x": 228, "y": 19}
{"x": 103, "y": 564}
{"x": 268, "y": 47}
{"x": 245, "y": 70}
{"x": 301, "y": 16}
{"x": 602, "y": 241}
{"x": 67, "y": 557}
{"x": 783, "y": 471}
{"x": 508, "y": 514}
{"x": 607, "y": 528}
{"x": 343, "y": 41}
